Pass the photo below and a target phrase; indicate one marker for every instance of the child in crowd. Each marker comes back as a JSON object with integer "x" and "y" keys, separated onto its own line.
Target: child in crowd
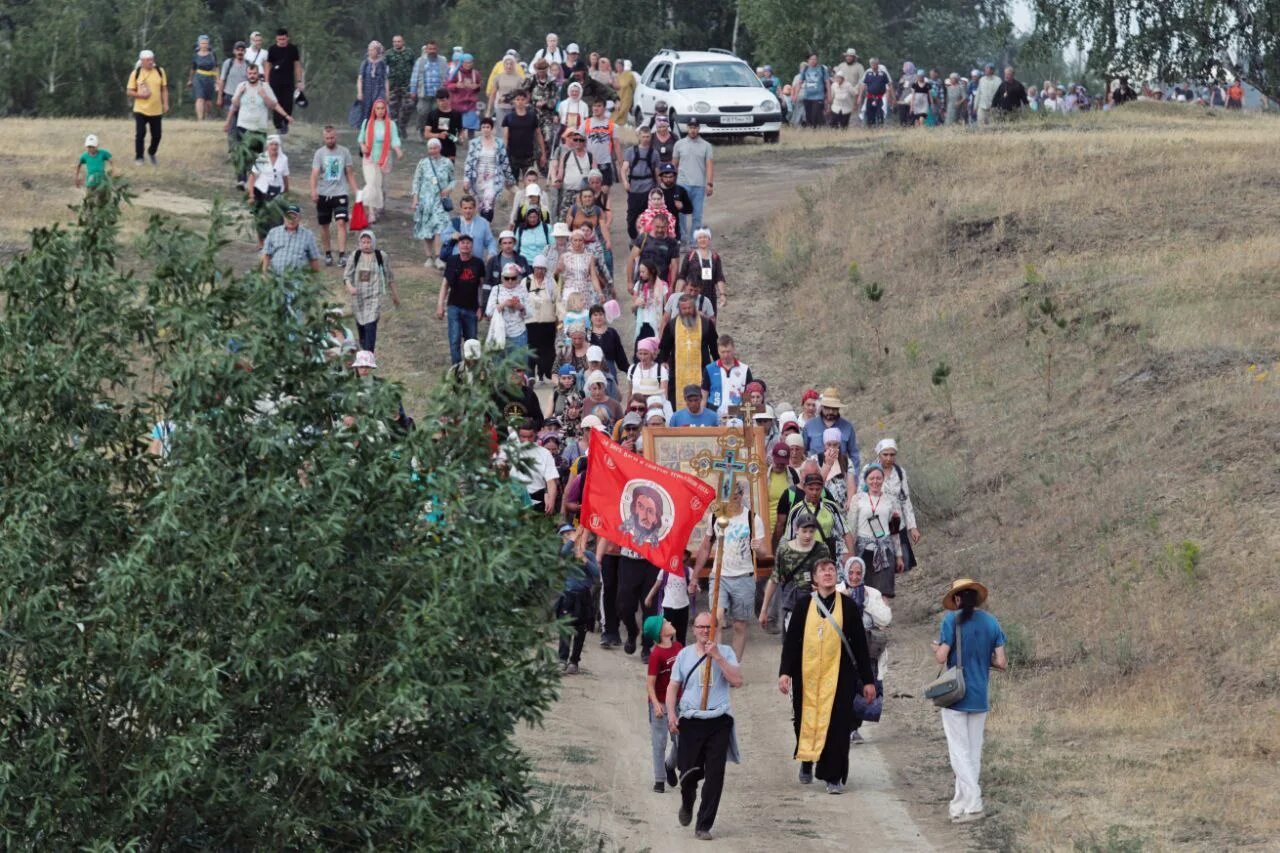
{"x": 96, "y": 163}
{"x": 566, "y": 387}
{"x": 665, "y": 648}
{"x": 575, "y": 602}
{"x": 676, "y": 590}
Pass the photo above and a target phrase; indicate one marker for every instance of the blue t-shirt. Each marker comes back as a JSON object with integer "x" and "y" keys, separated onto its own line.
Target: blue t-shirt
{"x": 813, "y": 82}
{"x": 706, "y": 417}
{"x": 684, "y": 672}
{"x": 982, "y": 635}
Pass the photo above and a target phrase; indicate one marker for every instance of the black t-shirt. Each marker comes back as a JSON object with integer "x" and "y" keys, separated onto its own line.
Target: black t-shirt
{"x": 464, "y": 278}
{"x": 520, "y": 142}
{"x": 282, "y": 60}
{"x": 666, "y": 150}
{"x": 450, "y": 122}
{"x": 671, "y": 195}
{"x": 659, "y": 250}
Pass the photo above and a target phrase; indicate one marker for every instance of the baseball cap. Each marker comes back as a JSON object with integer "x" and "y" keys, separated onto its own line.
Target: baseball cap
{"x": 806, "y": 519}
{"x": 813, "y": 478}
{"x": 239, "y": 46}
{"x": 573, "y": 48}
{"x": 849, "y": 50}
{"x": 692, "y": 391}
{"x": 780, "y": 453}
{"x": 91, "y": 141}
{"x": 593, "y": 422}
{"x": 533, "y": 190}
{"x": 566, "y": 528}
{"x": 631, "y": 419}
{"x": 293, "y": 210}
{"x": 507, "y": 235}
{"x": 692, "y": 122}
{"x": 596, "y": 377}
{"x": 666, "y": 169}
{"x": 567, "y": 370}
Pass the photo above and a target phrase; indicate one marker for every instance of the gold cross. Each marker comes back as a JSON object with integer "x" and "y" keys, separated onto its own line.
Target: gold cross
{"x": 732, "y": 461}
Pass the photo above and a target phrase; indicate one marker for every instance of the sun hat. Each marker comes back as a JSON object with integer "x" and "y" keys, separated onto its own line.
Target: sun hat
{"x": 794, "y": 440}
{"x": 471, "y": 350}
{"x": 831, "y": 434}
{"x": 593, "y": 422}
{"x": 594, "y": 353}
{"x": 539, "y": 262}
{"x": 653, "y": 629}
{"x": 364, "y": 358}
{"x": 960, "y": 585}
{"x": 655, "y": 412}
{"x": 780, "y": 453}
{"x": 766, "y": 415}
{"x": 91, "y": 141}
{"x": 885, "y": 444}
{"x": 596, "y": 377}
{"x": 507, "y": 235}
{"x": 830, "y": 399}
{"x": 561, "y": 229}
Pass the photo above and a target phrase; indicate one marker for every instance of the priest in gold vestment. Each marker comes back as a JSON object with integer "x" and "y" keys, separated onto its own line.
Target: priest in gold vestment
{"x": 688, "y": 345}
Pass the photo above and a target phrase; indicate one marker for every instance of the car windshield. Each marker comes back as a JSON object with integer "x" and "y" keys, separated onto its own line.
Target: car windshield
{"x": 715, "y": 75}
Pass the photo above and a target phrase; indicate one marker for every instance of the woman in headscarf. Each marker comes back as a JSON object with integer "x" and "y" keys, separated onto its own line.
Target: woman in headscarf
{"x": 502, "y": 87}
{"x": 905, "y": 84}
{"x": 871, "y": 518}
{"x": 270, "y": 179}
{"x": 836, "y": 474}
{"x": 573, "y": 111}
{"x": 895, "y": 483}
{"x": 602, "y": 72}
{"x": 921, "y": 99}
{"x": 379, "y": 136}
{"x": 657, "y": 205}
{"x": 464, "y": 90}
{"x": 371, "y": 82}
{"x": 368, "y": 278}
{"x": 576, "y": 270}
{"x": 647, "y": 368}
{"x": 541, "y": 325}
{"x": 432, "y": 183}
{"x": 575, "y": 354}
{"x": 704, "y": 266}
{"x": 203, "y": 80}
{"x": 625, "y": 83}
{"x": 487, "y": 171}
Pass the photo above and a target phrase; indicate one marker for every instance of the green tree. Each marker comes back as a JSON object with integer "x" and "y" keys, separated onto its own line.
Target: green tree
{"x": 258, "y": 641}
{"x": 1171, "y": 40}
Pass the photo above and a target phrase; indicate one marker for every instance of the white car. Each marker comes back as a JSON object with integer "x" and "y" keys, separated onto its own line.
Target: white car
{"x": 714, "y": 85}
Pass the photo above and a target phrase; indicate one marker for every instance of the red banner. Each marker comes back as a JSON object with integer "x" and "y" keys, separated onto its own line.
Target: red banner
{"x": 641, "y": 505}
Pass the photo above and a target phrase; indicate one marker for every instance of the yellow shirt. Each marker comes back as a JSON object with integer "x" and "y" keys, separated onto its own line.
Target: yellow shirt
{"x": 778, "y": 485}
{"x": 153, "y": 79}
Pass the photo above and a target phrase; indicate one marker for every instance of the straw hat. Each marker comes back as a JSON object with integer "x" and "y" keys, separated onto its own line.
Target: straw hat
{"x": 831, "y": 398}
{"x": 960, "y": 585}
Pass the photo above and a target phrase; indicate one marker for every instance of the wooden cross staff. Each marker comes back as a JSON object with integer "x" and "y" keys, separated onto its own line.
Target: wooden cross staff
{"x": 732, "y": 461}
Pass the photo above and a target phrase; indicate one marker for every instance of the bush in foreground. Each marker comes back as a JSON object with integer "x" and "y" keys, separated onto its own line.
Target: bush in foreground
{"x": 257, "y": 642}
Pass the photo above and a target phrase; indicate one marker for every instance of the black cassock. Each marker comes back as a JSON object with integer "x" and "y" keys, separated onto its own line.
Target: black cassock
{"x": 833, "y": 764}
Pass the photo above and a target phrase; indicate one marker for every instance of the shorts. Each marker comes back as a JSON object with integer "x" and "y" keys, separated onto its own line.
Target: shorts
{"x": 738, "y": 597}
{"x": 331, "y": 207}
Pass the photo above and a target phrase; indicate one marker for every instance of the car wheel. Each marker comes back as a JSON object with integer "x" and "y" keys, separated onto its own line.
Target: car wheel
{"x": 771, "y": 138}
{"x": 639, "y": 115}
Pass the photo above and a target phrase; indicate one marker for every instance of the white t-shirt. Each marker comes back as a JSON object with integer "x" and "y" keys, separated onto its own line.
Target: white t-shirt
{"x": 542, "y": 467}
{"x": 257, "y": 56}
{"x": 737, "y": 543}
{"x": 675, "y": 595}
{"x": 267, "y": 174}
{"x": 254, "y": 114}
{"x": 655, "y": 371}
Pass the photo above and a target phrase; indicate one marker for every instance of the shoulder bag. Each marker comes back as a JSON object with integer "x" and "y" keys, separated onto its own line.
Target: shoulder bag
{"x": 948, "y": 688}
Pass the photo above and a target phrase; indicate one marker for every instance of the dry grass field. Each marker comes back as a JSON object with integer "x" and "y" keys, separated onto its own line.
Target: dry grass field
{"x": 1128, "y": 523}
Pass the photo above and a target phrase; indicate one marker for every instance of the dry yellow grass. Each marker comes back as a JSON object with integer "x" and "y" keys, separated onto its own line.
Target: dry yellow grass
{"x": 1129, "y": 525}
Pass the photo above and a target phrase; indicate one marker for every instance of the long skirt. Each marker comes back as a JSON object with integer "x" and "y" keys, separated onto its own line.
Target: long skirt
{"x": 374, "y": 199}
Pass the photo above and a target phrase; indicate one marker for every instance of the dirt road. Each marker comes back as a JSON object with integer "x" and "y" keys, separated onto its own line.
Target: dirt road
{"x": 596, "y": 747}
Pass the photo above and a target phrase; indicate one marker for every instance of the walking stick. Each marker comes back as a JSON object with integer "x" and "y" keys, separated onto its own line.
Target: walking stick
{"x": 722, "y": 522}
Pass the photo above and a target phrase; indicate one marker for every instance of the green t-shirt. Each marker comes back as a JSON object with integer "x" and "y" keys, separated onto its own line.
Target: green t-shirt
{"x": 95, "y": 167}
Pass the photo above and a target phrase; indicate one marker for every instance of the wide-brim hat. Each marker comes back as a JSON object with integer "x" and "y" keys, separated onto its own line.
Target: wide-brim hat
{"x": 960, "y": 585}
{"x": 831, "y": 399}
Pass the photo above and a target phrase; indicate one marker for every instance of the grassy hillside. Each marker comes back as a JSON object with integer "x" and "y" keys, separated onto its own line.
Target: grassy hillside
{"x": 1124, "y": 510}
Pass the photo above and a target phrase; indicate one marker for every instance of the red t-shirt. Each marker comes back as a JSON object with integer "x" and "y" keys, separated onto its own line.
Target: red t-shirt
{"x": 660, "y": 662}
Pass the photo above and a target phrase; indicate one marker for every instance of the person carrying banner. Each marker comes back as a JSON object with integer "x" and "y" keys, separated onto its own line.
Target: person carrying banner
{"x": 824, "y": 660}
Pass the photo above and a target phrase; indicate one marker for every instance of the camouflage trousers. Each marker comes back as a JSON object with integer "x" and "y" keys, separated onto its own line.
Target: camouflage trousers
{"x": 402, "y": 109}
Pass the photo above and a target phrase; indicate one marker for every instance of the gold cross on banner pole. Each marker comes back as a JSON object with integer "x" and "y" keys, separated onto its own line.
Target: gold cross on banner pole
{"x": 732, "y": 461}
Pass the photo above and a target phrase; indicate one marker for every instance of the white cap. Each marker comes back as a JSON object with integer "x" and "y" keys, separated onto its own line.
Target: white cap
{"x": 91, "y": 141}
{"x": 594, "y": 353}
{"x": 511, "y": 53}
{"x": 533, "y": 189}
{"x": 561, "y": 229}
{"x": 849, "y": 50}
{"x": 507, "y": 235}
{"x": 146, "y": 54}
{"x": 595, "y": 377}
{"x": 511, "y": 269}
{"x": 572, "y": 48}
{"x": 593, "y": 422}
{"x": 540, "y": 262}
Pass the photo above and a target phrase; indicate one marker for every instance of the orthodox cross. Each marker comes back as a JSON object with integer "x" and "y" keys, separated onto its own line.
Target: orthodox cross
{"x": 732, "y": 461}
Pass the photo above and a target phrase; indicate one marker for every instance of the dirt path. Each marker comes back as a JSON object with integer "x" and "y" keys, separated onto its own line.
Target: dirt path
{"x": 596, "y": 747}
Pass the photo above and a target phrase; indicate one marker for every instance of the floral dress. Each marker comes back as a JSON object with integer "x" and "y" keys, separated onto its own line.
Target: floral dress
{"x": 488, "y": 171}
{"x": 577, "y": 276}
{"x": 373, "y": 85}
{"x": 429, "y": 217}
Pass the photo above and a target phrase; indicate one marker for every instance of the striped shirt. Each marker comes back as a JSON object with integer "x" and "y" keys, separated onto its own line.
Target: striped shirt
{"x": 290, "y": 250}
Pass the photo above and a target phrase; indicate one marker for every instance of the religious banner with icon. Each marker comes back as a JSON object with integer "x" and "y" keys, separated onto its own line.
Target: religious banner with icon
{"x": 677, "y": 447}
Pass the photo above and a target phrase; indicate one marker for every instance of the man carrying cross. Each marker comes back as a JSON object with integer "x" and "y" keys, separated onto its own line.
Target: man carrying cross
{"x": 689, "y": 343}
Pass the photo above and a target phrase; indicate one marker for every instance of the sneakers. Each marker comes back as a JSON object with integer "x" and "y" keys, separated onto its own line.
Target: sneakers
{"x": 239, "y": 184}
{"x": 153, "y": 160}
{"x": 563, "y": 665}
{"x": 571, "y": 669}
{"x": 629, "y": 646}
{"x": 644, "y": 656}
{"x": 607, "y": 641}
{"x": 806, "y": 773}
{"x": 659, "y": 788}
{"x": 685, "y": 815}
{"x": 671, "y": 775}
{"x": 328, "y": 259}
{"x": 141, "y": 162}
{"x": 855, "y": 737}
{"x": 835, "y": 787}
{"x": 342, "y": 259}
{"x": 703, "y": 835}
{"x": 439, "y": 264}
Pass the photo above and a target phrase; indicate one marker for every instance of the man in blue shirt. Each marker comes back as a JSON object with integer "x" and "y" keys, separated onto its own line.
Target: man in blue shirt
{"x": 815, "y": 91}
{"x": 694, "y": 413}
{"x": 706, "y": 736}
{"x": 428, "y": 76}
{"x": 829, "y": 406}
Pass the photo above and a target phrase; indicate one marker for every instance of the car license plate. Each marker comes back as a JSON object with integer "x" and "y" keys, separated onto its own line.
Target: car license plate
{"x": 727, "y": 119}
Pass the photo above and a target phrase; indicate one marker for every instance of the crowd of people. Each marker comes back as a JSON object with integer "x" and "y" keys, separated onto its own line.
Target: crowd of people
{"x": 617, "y": 339}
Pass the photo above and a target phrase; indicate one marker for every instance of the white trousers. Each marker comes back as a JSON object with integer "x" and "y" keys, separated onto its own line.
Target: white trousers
{"x": 964, "y": 731}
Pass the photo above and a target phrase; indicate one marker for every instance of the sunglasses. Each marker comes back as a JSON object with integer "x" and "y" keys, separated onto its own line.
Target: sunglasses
{"x": 702, "y": 627}
{"x": 510, "y": 278}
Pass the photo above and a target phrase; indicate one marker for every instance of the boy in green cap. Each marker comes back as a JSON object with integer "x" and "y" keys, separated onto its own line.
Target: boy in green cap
{"x": 662, "y": 634}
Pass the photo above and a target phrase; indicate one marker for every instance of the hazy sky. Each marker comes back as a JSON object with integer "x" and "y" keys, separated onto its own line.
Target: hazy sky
{"x": 1022, "y": 15}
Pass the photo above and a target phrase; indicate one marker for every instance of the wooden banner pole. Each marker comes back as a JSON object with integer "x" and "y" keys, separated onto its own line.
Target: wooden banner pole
{"x": 722, "y": 523}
